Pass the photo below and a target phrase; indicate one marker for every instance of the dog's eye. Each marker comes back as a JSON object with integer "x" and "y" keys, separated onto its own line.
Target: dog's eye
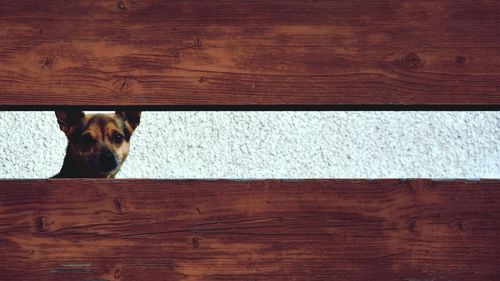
{"x": 117, "y": 138}
{"x": 87, "y": 140}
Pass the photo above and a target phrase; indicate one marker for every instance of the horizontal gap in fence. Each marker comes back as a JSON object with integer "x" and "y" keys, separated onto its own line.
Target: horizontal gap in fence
{"x": 283, "y": 52}
{"x": 249, "y": 230}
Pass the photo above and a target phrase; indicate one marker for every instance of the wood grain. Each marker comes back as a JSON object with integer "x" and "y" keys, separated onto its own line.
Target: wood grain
{"x": 285, "y": 52}
{"x": 249, "y": 230}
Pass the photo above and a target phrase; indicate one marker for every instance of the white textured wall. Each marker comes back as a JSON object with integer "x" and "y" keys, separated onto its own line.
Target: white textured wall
{"x": 275, "y": 145}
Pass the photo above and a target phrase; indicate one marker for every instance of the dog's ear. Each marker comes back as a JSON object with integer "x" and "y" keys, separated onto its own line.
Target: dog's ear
{"x": 68, "y": 119}
{"x": 133, "y": 118}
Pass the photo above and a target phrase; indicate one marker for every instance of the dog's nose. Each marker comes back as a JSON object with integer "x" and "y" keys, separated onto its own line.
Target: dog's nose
{"x": 107, "y": 161}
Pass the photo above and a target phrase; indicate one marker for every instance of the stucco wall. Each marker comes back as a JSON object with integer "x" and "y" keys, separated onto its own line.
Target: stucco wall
{"x": 275, "y": 145}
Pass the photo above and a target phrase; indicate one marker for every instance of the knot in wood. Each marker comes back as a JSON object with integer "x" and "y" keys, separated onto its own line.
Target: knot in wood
{"x": 412, "y": 60}
{"x": 460, "y": 60}
{"x": 197, "y": 43}
{"x": 118, "y": 273}
{"x": 412, "y": 225}
{"x": 47, "y": 62}
{"x": 121, "y": 6}
{"x": 120, "y": 205}
{"x": 122, "y": 84}
{"x": 196, "y": 242}
{"x": 42, "y": 224}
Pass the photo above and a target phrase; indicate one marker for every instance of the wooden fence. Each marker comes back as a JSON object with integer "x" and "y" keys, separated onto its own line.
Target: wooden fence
{"x": 249, "y": 230}
{"x": 155, "y": 53}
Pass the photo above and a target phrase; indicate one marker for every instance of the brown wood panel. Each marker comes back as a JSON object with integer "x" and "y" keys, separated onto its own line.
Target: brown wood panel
{"x": 249, "y": 230}
{"x": 156, "y": 52}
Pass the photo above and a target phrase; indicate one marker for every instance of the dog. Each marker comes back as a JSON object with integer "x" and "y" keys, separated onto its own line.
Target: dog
{"x": 98, "y": 144}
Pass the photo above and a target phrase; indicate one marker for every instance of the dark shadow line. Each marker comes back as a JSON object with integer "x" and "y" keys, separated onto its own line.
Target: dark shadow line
{"x": 285, "y": 107}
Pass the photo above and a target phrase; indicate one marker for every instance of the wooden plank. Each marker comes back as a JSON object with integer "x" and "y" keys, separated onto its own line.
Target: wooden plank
{"x": 155, "y": 52}
{"x": 249, "y": 230}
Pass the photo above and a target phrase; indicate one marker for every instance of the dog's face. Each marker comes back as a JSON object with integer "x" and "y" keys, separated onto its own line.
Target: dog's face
{"x": 98, "y": 143}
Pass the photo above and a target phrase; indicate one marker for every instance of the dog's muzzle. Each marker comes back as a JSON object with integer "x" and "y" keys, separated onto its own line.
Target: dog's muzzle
{"x": 106, "y": 162}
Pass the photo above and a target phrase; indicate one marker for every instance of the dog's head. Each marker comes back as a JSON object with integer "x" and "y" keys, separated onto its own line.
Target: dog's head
{"x": 98, "y": 143}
